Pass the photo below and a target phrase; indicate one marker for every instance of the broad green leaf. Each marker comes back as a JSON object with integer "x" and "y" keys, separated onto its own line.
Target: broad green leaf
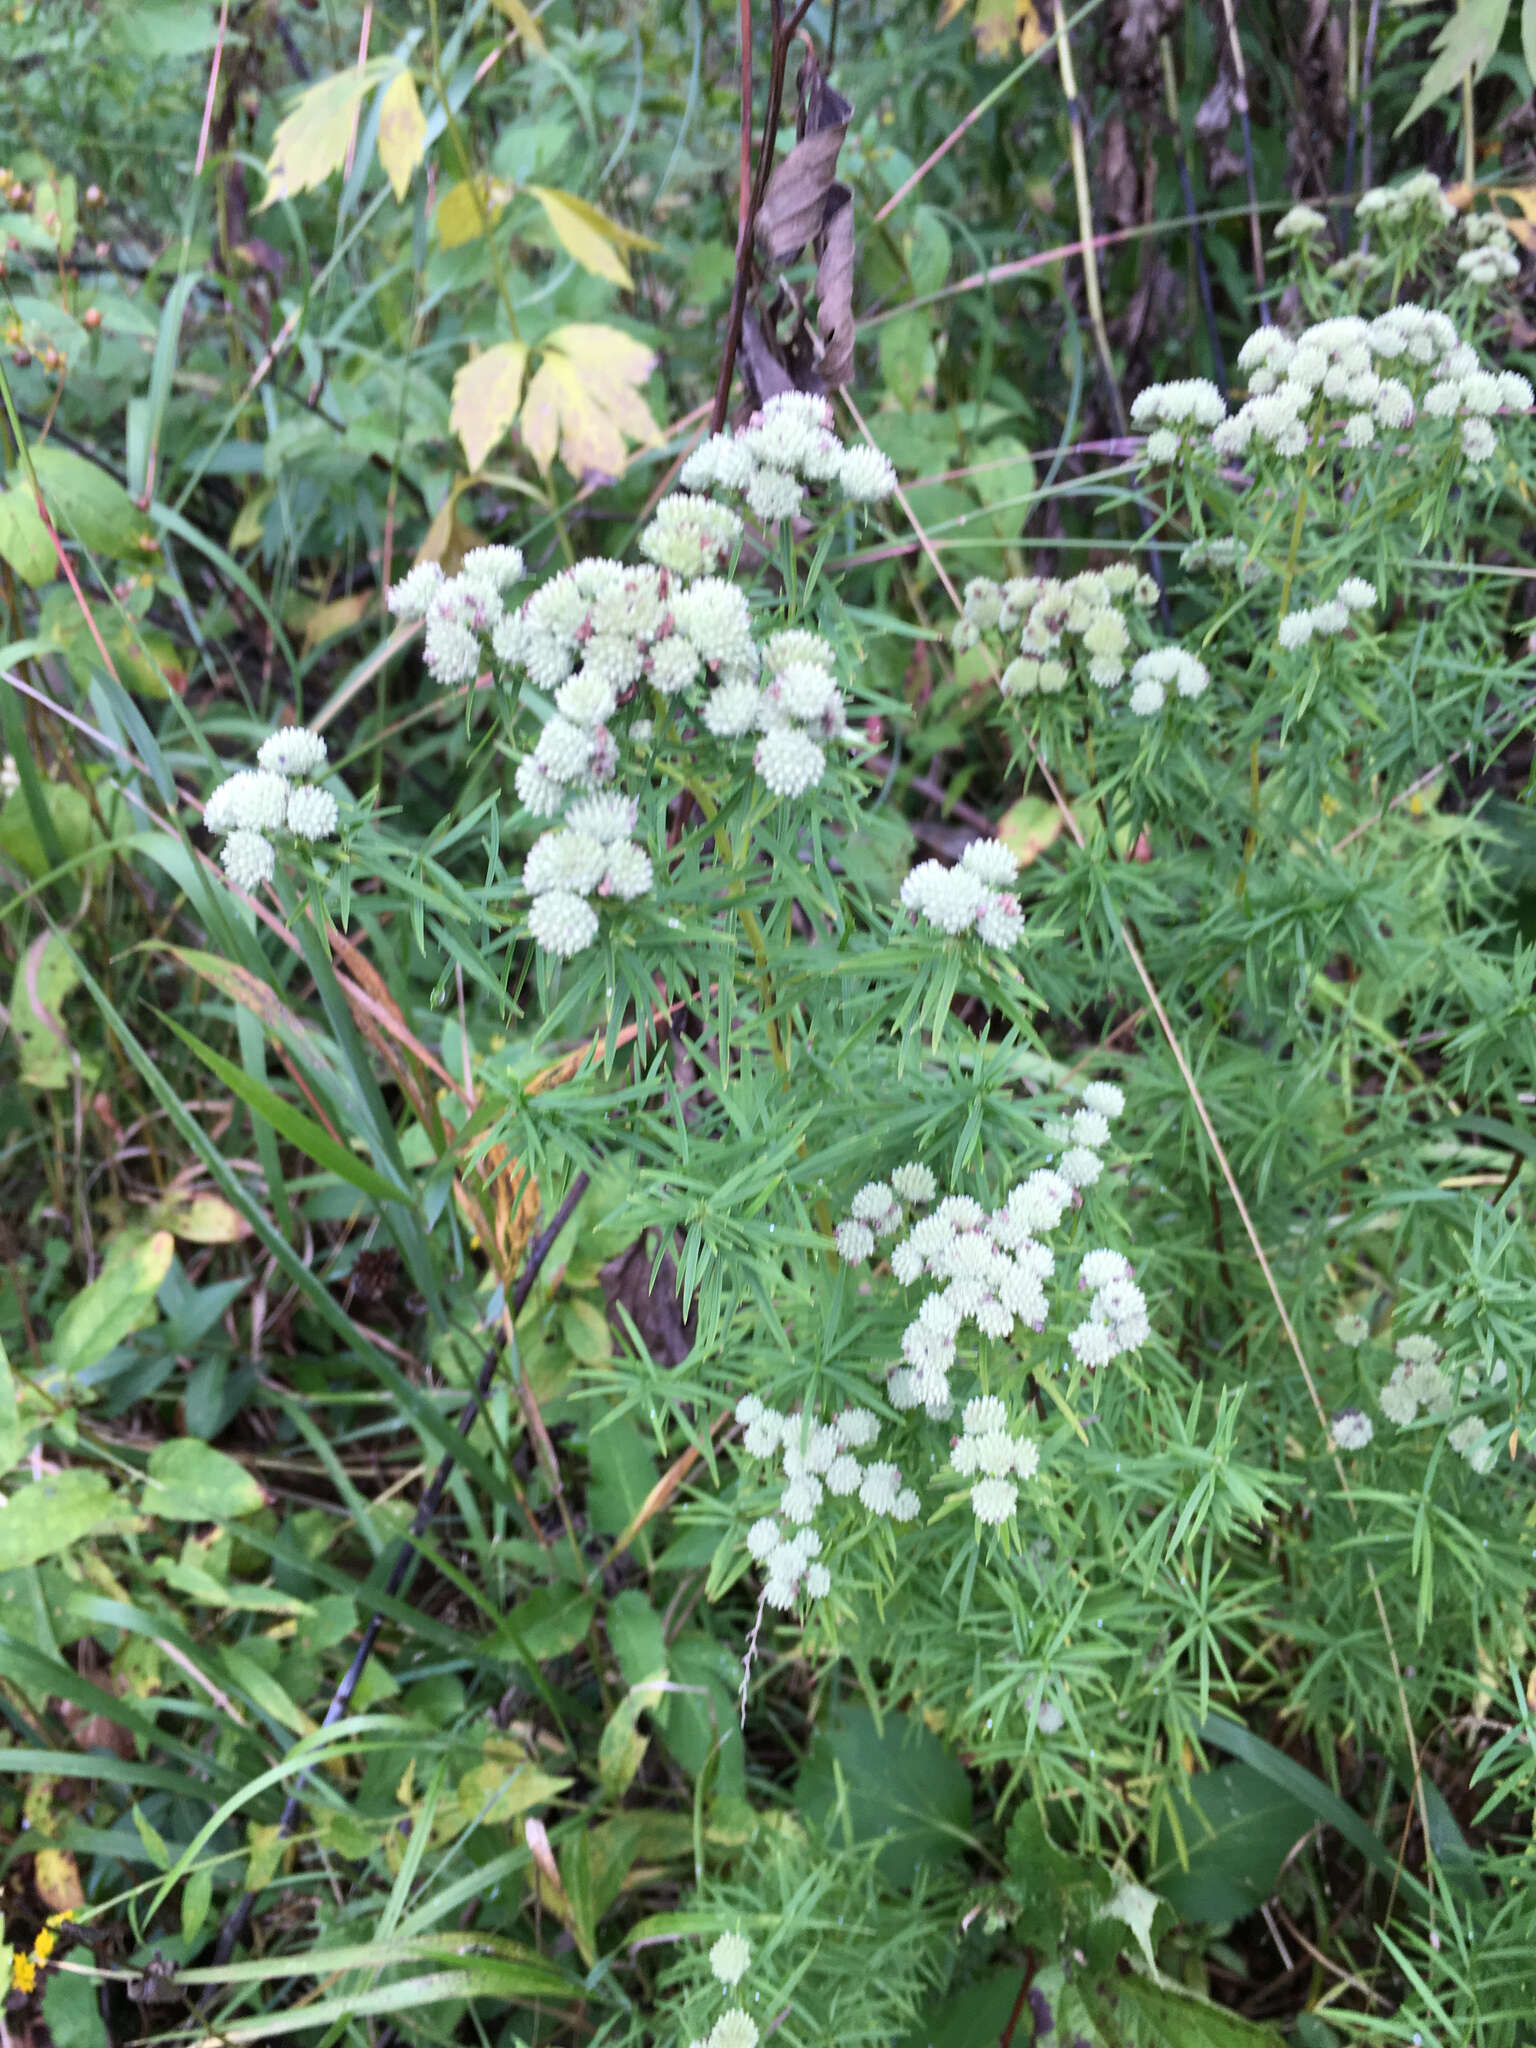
{"x": 192, "y": 1482}
{"x": 311, "y": 142}
{"x": 147, "y": 662}
{"x": 24, "y": 540}
{"x": 586, "y": 233}
{"x": 487, "y": 392}
{"x": 907, "y": 359}
{"x": 72, "y": 2012}
{"x": 89, "y": 505}
{"x": 1238, "y": 1828}
{"x": 584, "y": 401}
{"x": 112, "y": 1307}
{"x": 45, "y": 974}
{"x": 1027, "y": 828}
{"x": 402, "y": 132}
{"x": 635, "y": 1632}
{"x": 1465, "y": 43}
{"x": 52, "y": 1514}
{"x": 1170, "y": 2013}
{"x": 549, "y": 1622}
{"x": 311, "y": 1138}
{"x": 1303, "y": 1785}
{"x": 894, "y": 1783}
{"x": 12, "y": 1438}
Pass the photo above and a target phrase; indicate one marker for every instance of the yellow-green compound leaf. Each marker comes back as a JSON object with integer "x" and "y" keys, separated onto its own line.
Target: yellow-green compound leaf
{"x": 45, "y": 975}
{"x": 584, "y": 400}
{"x": 402, "y": 132}
{"x": 192, "y": 1482}
{"x": 586, "y": 233}
{"x": 311, "y": 1138}
{"x": 114, "y": 1306}
{"x": 39, "y": 1521}
{"x": 486, "y": 395}
{"x": 24, "y": 540}
{"x": 312, "y": 140}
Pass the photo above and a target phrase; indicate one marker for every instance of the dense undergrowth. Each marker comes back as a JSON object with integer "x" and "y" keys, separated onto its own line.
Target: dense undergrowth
{"x": 767, "y": 918}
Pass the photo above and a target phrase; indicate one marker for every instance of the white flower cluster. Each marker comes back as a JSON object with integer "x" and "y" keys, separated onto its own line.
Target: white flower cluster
{"x": 1117, "y": 1319}
{"x": 1322, "y": 621}
{"x": 691, "y": 536}
{"x": 1418, "y": 202}
{"x": 987, "y": 1453}
{"x": 969, "y": 897}
{"x": 1084, "y": 619}
{"x": 1224, "y": 555}
{"x": 1352, "y": 1429}
{"x": 459, "y": 610}
{"x": 1154, "y": 673}
{"x": 1489, "y": 257}
{"x": 1417, "y": 1382}
{"x": 591, "y": 853}
{"x": 785, "y": 450}
{"x": 798, "y": 707}
{"x": 817, "y": 1460}
{"x": 1300, "y": 225}
{"x": 277, "y": 795}
{"x": 1360, "y": 376}
{"x": 1176, "y": 413}
{"x": 733, "y": 2029}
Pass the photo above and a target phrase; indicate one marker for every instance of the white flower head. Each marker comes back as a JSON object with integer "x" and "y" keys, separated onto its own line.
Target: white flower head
{"x": 789, "y": 761}
{"x": 293, "y": 750}
{"x": 1352, "y": 1429}
{"x": 561, "y": 922}
{"x": 248, "y": 857}
{"x": 312, "y": 813}
{"x": 730, "y": 1959}
{"x": 866, "y": 475}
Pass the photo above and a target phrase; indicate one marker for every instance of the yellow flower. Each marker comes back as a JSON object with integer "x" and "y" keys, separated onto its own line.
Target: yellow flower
{"x": 43, "y": 1947}
{"x": 23, "y": 1973}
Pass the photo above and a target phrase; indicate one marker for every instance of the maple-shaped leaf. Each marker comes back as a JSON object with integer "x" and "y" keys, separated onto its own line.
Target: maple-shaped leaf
{"x": 585, "y": 232}
{"x": 402, "y": 132}
{"x": 312, "y": 140}
{"x": 1002, "y": 26}
{"x": 584, "y": 399}
{"x": 486, "y": 394}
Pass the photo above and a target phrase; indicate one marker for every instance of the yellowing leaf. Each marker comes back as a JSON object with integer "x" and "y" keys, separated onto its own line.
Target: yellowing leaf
{"x": 58, "y": 1881}
{"x": 327, "y": 620}
{"x": 999, "y": 25}
{"x": 486, "y": 394}
{"x": 584, "y": 400}
{"x": 586, "y": 233}
{"x": 202, "y": 1219}
{"x": 312, "y": 141}
{"x": 1028, "y": 827}
{"x": 402, "y": 132}
{"x": 467, "y": 210}
{"x": 524, "y": 23}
